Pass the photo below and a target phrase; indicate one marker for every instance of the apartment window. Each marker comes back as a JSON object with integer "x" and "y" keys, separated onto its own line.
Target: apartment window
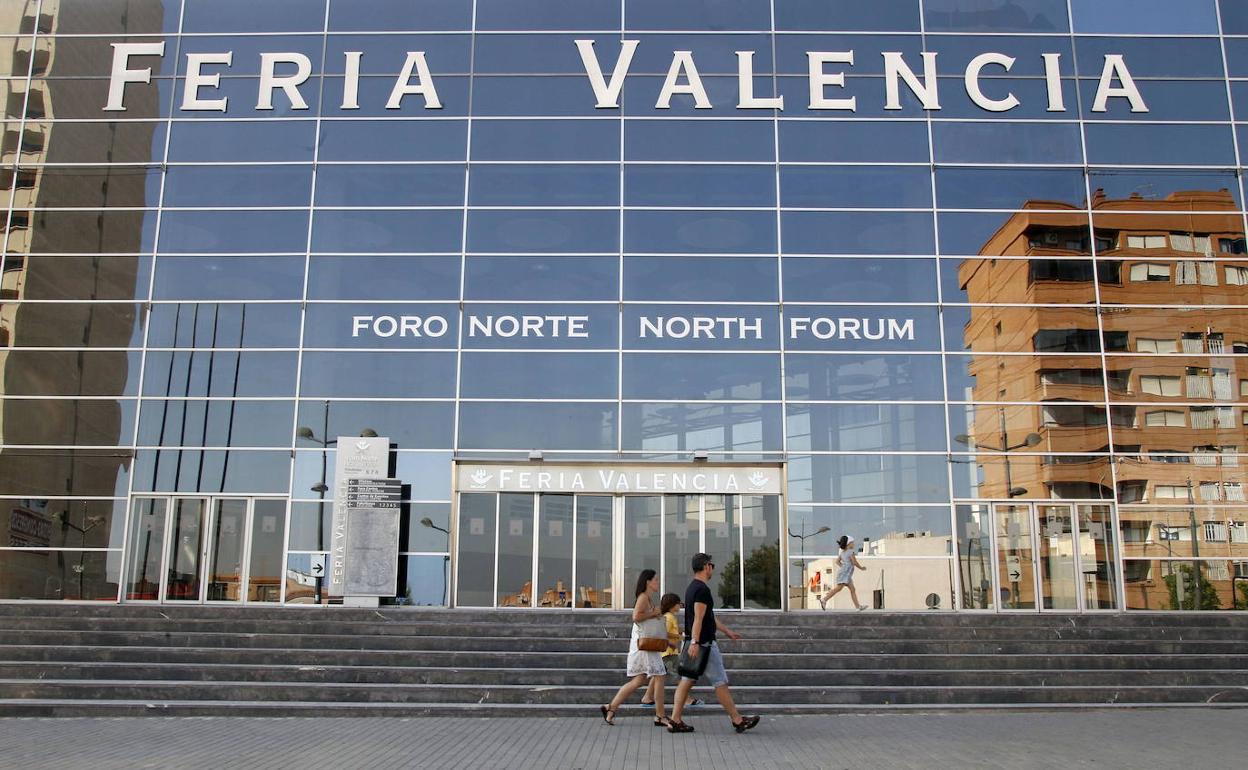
{"x": 1221, "y": 383}
{"x": 1079, "y": 271}
{"x": 1230, "y": 456}
{"x": 1159, "y": 384}
{"x": 1236, "y": 275}
{"x": 1192, "y": 273}
{"x": 1067, "y": 341}
{"x": 1070, "y": 377}
{"x": 1206, "y": 456}
{"x": 1238, "y": 532}
{"x": 1193, "y": 342}
{"x": 1150, "y": 271}
{"x": 1170, "y": 491}
{"x": 1234, "y": 490}
{"x": 1209, "y": 491}
{"x": 1199, "y": 383}
{"x": 1224, "y": 416}
{"x": 1216, "y": 342}
{"x": 1156, "y": 345}
{"x": 1168, "y": 456}
{"x": 1215, "y": 532}
{"x": 1146, "y": 241}
{"x": 1197, "y": 243}
{"x": 1166, "y": 418}
{"x": 1232, "y": 246}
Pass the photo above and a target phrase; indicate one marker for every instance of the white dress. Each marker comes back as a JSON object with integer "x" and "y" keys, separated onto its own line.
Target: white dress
{"x": 642, "y": 662}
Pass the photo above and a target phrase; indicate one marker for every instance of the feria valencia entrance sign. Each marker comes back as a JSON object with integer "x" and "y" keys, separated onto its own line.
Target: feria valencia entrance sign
{"x": 649, "y": 478}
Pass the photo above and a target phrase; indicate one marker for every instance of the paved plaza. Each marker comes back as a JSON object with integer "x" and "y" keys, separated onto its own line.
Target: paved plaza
{"x": 1138, "y": 738}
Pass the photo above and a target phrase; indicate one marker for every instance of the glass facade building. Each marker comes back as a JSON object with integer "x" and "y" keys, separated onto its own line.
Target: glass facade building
{"x": 969, "y": 277}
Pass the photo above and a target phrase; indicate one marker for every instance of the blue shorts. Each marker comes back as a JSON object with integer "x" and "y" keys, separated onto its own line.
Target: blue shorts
{"x": 714, "y": 672}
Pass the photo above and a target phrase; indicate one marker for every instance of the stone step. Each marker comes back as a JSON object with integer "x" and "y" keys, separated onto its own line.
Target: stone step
{"x": 59, "y": 708}
{"x": 814, "y": 661}
{"x": 341, "y": 615}
{"x": 535, "y": 677}
{"x": 589, "y": 695}
{"x": 829, "y": 630}
{"x": 608, "y": 645}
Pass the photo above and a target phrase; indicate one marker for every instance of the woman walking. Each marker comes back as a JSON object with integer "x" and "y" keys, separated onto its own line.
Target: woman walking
{"x": 643, "y": 664}
{"x": 846, "y": 563}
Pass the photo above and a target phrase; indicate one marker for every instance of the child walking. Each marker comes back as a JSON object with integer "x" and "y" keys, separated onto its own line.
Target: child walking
{"x": 668, "y": 606}
{"x": 846, "y": 563}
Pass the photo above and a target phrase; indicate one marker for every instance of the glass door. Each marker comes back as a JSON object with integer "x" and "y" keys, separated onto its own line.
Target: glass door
{"x": 226, "y": 546}
{"x": 184, "y": 551}
{"x": 1056, "y": 556}
{"x": 554, "y": 550}
{"x": 1098, "y": 557}
{"x": 1016, "y": 571}
{"x": 194, "y": 549}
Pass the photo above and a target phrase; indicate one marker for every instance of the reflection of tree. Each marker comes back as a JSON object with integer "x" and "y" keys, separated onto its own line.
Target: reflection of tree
{"x": 1208, "y": 593}
{"x": 762, "y": 578}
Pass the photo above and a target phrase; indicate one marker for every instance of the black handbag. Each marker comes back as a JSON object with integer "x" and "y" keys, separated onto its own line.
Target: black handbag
{"x": 692, "y": 668}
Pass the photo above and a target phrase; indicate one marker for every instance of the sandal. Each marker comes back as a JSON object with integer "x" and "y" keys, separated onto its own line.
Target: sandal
{"x": 647, "y": 703}
{"x": 662, "y": 722}
{"x": 608, "y": 715}
{"x": 679, "y": 727}
{"x": 746, "y": 723}
{"x": 694, "y": 702}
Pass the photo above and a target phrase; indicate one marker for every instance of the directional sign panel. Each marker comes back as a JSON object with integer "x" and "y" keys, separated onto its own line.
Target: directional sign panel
{"x": 1013, "y": 568}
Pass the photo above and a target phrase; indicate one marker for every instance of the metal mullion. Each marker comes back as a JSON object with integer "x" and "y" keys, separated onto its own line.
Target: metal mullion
{"x": 572, "y": 590}
{"x": 740, "y": 544}
{"x": 164, "y": 550}
{"x": 537, "y": 513}
{"x": 662, "y": 542}
{"x": 498, "y": 499}
{"x": 249, "y": 537}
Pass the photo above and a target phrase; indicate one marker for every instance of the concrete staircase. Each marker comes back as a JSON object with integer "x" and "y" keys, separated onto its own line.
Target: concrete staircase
{"x": 86, "y": 660}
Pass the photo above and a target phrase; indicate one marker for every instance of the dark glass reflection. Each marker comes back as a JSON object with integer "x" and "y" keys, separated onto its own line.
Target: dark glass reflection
{"x": 672, "y": 430}
{"x": 224, "y": 423}
{"x": 521, "y": 426}
{"x": 695, "y": 376}
{"x": 866, "y": 427}
{"x": 862, "y": 377}
{"x": 1144, "y": 17}
{"x": 996, "y": 16}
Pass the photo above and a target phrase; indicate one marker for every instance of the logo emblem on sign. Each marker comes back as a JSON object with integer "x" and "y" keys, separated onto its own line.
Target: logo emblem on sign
{"x": 758, "y": 480}
{"x": 480, "y": 478}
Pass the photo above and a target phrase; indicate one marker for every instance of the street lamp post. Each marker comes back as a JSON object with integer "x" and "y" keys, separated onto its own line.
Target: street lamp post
{"x": 446, "y": 558}
{"x": 802, "y": 544}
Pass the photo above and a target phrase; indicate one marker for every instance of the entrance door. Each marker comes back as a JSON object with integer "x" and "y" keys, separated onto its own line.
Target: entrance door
{"x": 570, "y": 550}
{"x": 1055, "y": 556}
{"x": 205, "y": 549}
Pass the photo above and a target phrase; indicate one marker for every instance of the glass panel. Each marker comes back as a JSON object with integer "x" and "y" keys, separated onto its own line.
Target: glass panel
{"x": 515, "y": 550}
{"x": 682, "y": 533}
{"x": 1057, "y": 557}
{"x": 59, "y": 575}
{"x": 643, "y": 526}
{"x": 182, "y": 562}
{"x": 147, "y": 536}
{"x": 1015, "y": 555}
{"x": 760, "y": 523}
{"x": 723, "y": 541}
{"x": 304, "y": 585}
{"x": 225, "y": 550}
{"x": 268, "y": 531}
{"x": 885, "y": 584}
{"x": 554, "y": 551}
{"x": 1212, "y": 584}
{"x": 594, "y": 551}
{"x": 475, "y": 570}
{"x": 975, "y": 557}
{"x": 424, "y": 581}
{"x": 1098, "y": 557}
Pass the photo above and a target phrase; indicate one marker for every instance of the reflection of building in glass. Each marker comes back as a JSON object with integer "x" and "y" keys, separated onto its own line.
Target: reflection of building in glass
{"x": 1078, "y": 345}
{"x": 51, "y": 256}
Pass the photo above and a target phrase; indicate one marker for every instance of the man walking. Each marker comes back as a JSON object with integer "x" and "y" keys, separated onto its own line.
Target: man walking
{"x": 700, "y": 628}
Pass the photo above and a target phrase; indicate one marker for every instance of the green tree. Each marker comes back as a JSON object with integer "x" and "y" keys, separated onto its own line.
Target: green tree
{"x": 1208, "y": 594}
{"x": 762, "y": 578}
